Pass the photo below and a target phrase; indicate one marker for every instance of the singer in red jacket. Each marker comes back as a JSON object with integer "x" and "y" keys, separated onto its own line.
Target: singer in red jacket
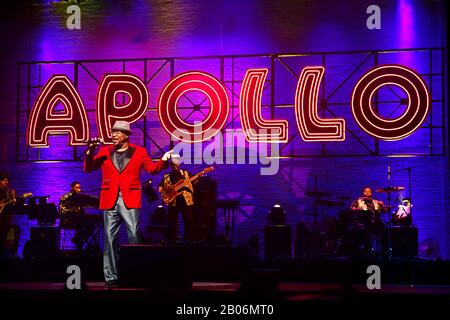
{"x": 120, "y": 196}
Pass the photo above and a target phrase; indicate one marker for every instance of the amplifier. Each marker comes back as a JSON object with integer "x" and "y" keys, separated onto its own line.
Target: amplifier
{"x": 277, "y": 241}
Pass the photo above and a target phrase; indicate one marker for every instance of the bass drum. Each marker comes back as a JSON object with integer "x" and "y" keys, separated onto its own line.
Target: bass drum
{"x": 355, "y": 237}
{"x": 355, "y": 219}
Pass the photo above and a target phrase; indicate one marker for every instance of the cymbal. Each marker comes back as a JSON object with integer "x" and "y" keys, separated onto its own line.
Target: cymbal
{"x": 317, "y": 194}
{"x": 390, "y": 189}
{"x": 330, "y": 203}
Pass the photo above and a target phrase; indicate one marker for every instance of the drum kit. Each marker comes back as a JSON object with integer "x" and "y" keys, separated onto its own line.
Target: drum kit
{"x": 351, "y": 231}
{"x": 402, "y": 212}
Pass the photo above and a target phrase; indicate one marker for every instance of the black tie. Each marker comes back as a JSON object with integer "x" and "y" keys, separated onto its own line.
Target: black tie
{"x": 120, "y": 159}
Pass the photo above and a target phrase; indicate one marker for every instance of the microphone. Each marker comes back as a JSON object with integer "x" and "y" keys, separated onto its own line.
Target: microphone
{"x": 95, "y": 142}
{"x": 92, "y": 145}
{"x": 389, "y": 173}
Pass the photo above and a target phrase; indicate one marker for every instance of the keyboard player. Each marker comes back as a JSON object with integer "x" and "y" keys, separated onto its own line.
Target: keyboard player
{"x": 73, "y": 216}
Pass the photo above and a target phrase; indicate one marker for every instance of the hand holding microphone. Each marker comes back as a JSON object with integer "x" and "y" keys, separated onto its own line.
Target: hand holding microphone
{"x": 93, "y": 145}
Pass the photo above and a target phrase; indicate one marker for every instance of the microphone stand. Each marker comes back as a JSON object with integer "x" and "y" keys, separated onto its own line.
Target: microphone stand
{"x": 409, "y": 169}
{"x": 389, "y": 243}
{"x": 317, "y": 245}
{"x": 316, "y": 213}
{"x": 316, "y": 231}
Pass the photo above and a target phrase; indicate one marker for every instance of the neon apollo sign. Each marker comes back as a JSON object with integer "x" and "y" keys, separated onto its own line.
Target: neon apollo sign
{"x": 45, "y": 119}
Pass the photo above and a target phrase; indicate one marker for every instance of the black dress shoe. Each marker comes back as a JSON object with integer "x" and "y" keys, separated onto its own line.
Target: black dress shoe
{"x": 112, "y": 284}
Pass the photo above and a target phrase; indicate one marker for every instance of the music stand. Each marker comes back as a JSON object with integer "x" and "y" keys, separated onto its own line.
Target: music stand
{"x": 45, "y": 213}
{"x": 85, "y": 200}
{"x": 229, "y": 210}
{"x": 148, "y": 191}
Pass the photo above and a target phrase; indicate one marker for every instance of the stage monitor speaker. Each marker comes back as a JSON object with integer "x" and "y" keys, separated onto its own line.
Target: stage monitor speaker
{"x": 259, "y": 283}
{"x": 40, "y": 250}
{"x": 277, "y": 241}
{"x": 43, "y": 243}
{"x": 153, "y": 266}
{"x": 404, "y": 241}
{"x": 157, "y": 235}
{"x": 217, "y": 263}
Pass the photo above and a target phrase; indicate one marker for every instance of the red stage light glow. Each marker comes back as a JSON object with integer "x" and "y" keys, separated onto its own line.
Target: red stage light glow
{"x": 311, "y": 126}
{"x": 250, "y": 111}
{"x": 44, "y": 120}
{"x": 180, "y": 85}
{"x": 107, "y": 109}
{"x": 409, "y": 121}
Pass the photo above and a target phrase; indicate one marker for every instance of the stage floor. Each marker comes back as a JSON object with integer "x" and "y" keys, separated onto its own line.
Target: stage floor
{"x": 293, "y": 289}
{"x": 227, "y": 299}
{"x": 162, "y": 280}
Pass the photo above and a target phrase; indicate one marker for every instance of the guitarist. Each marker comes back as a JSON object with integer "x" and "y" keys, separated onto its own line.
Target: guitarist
{"x": 184, "y": 202}
{"x": 7, "y": 195}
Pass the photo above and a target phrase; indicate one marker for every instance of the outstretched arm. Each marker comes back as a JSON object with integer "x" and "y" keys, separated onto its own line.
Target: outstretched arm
{"x": 155, "y": 167}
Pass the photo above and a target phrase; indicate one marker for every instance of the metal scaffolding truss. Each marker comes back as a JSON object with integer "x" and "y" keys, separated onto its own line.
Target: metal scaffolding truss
{"x": 343, "y": 69}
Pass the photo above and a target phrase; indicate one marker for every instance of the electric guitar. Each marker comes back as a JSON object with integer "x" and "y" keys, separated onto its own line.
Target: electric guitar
{"x": 5, "y": 202}
{"x": 170, "y": 192}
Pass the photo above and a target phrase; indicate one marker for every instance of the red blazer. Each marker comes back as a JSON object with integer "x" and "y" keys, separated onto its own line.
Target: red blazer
{"x": 128, "y": 180}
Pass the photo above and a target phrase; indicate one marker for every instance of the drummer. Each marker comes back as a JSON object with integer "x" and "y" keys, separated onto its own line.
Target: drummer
{"x": 370, "y": 212}
{"x": 367, "y": 203}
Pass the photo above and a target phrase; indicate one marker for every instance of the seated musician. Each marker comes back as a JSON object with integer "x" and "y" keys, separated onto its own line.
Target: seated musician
{"x": 7, "y": 198}
{"x": 367, "y": 203}
{"x": 183, "y": 202}
{"x": 370, "y": 211}
{"x": 72, "y": 215}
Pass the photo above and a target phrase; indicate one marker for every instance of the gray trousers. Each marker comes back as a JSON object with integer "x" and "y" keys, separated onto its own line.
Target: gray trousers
{"x": 112, "y": 220}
